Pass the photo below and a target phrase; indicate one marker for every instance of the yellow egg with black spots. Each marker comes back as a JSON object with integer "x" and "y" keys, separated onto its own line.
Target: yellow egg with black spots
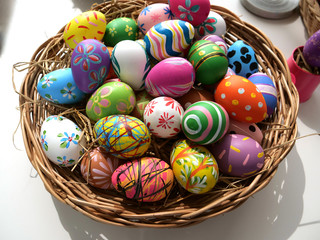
{"x": 194, "y": 167}
{"x": 87, "y": 25}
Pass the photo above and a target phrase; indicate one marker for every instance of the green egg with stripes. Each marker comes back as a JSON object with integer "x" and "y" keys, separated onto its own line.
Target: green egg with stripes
{"x": 209, "y": 61}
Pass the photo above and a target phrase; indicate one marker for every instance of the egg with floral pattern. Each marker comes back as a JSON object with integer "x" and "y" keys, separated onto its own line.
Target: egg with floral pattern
{"x": 214, "y": 24}
{"x": 194, "y": 167}
{"x": 61, "y": 140}
{"x": 59, "y": 87}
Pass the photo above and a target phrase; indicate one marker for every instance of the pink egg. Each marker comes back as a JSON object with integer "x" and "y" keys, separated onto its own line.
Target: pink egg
{"x": 247, "y": 129}
{"x": 217, "y": 40}
{"x": 163, "y": 116}
{"x": 194, "y": 12}
{"x": 172, "y": 77}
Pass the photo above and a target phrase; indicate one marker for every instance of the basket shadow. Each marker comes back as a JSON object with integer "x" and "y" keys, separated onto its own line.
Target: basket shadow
{"x": 275, "y": 212}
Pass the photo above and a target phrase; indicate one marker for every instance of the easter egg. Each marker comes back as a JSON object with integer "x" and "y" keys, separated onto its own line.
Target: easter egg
{"x": 142, "y": 99}
{"x": 311, "y": 50}
{"x": 59, "y": 87}
{"x": 131, "y": 63}
{"x": 90, "y": 62}
{"x": 242, "y": 99}
{"x": 217, "y": 40}
{"x": 205, "y": 122}
{"x": 209, "y": 61}
{"x": 193, "y": 11}
{"x": 87, "y": 25}
{"x": 162, "y": 116}
{"x": 194, "y": 167}
{"x": 214, "y": 24}
{"x": 168, "y": 39}
{"x": 142, "y": 43}
{"x": 242, "y": 59}
{"x": 172, "y": 77}
{"x": 61, "y": 141}
{"x": 109, "y": 99}
{"x": 147, "y": 179}
{"x": 193, "y": 96}
{"x": 152, "y": 15}
{"x": 97, "y": 167}
{"x": 122, "y": 136}
{"x": 247, "y": 129}
{"x": 267, "y": 88}
{"x": 111, "y": 73}
{"x": 238, "y": 155}
{"x": 120, "y": 29}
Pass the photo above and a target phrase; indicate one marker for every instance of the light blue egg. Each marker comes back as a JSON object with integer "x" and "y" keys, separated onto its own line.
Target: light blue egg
{"x": 59, "y": 87}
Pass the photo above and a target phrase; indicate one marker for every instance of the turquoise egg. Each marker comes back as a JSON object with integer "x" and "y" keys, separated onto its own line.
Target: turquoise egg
{"x": 59, "y": 87}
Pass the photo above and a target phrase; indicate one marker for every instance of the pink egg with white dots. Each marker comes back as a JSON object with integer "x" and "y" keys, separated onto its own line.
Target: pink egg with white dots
{"x": 163, "y": 116}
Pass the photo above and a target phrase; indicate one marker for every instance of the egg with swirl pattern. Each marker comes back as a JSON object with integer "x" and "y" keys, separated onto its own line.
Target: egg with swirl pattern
{"x": 168, "y": 39}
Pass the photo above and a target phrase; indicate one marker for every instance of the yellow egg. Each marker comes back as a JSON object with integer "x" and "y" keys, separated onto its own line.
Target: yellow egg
{"x": 194, "y": 167}
{"x": 87, "y": 25}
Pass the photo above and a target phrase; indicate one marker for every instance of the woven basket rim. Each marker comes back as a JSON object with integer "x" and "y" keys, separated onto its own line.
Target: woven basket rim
{"x": 280, "y": 132}
{"x": 310, "y": 14}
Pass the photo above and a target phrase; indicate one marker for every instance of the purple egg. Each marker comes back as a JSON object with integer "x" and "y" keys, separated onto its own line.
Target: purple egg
{"x": 311, "y": 50}
{"x": 90, "y": 64}
{"x": 238, "y": 155}
{"x": 217, "y": 40}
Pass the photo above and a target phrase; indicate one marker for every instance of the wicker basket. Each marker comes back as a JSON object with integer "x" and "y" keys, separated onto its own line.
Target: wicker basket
{"x": 310, "y": 14}
{"x": 180, "y": 208}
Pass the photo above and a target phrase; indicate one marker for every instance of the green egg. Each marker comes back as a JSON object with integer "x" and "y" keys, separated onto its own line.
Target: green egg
{"x": 120, "y": 29}
{"x": 209, "y": 61}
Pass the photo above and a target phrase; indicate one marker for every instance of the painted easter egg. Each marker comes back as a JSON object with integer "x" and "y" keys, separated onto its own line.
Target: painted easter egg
{"x": 311, "y": 50}
{"x": 242, "y": 99}
{"x": 122, "y": 136}
{"x": 238, "y": 155}
{"x": 90, "y": 63}
{"x": 214, "y": 24}
{"x": 152, "y": 15}
{"x": 209, "y": 61}
{"x": 111, "y": 73}
{"x": 172, "y": 77}
{"x": 59, "y": 87}
{"x": 61, "y": 140}
{"x": 194, "y": 167}
{"x": 168, "y": 39}
{"x": 205, "y": 122}
{"x": 87, "y": 25}
{"x": 193, "y": 96}
{"x": 242, "y": 59}
{"x": 109, "y": 99}
{"x": 147, "y": 179}
{"x": 267, "y": 88}
{"x": 217, "y": 40}
{"x": 142, "y": 100}
{"x": 97, "y": 167}
{"x": 142, "y": 43}
{"x": 120, "y": 29}
{"x": 248, "y": 129}
{"x": 131, "y": 63}
{"x": 193, "y": 11}
{"x": 162, "y": 116}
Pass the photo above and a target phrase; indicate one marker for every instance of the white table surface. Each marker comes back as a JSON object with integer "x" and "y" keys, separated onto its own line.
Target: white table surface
{"x": 288, "y": 208}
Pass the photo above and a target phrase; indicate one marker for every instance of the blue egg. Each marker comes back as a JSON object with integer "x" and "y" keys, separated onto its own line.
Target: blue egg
{"x": 242, "y": 59}
{"x": 59, "y": 87}
{"x": 266, "y": 86}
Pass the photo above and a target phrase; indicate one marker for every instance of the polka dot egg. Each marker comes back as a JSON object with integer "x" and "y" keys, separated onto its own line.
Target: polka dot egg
{"x": 241, "y": 98}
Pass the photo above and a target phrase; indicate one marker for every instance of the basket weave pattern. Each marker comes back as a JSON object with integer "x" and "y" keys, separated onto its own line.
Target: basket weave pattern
{"x": 180, "y": 208}
{"x": 310, "y": 14}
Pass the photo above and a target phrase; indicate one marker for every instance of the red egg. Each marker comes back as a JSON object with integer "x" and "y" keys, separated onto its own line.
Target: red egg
{"x": 242, "y": 99}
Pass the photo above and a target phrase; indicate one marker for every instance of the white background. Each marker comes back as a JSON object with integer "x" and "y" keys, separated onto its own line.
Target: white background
{"x": 288, "y": 208}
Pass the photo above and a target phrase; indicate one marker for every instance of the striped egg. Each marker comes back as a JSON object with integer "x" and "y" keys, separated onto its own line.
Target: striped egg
{"x": 168, "y": 39}
{"x": 267, "y": 88}
{"x": 172, "y": 77}
{"x": 147, "y": 179}
{"x": 238, "y": 155}
{"x": 87, "y": 25}
{"x": 209, "y": 61}
{"x": 205, "y": 122}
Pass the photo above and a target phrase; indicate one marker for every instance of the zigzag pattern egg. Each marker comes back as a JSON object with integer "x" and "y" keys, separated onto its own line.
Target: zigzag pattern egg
{"x": 87, "y": 25}
{"x": 168, "y": 39}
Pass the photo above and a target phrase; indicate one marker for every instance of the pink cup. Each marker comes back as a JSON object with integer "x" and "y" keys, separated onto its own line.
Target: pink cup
{"x": 305, "y": 82}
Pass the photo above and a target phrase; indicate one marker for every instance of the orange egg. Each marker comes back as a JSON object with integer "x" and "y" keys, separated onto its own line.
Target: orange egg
{"x": 241, "y": 98}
